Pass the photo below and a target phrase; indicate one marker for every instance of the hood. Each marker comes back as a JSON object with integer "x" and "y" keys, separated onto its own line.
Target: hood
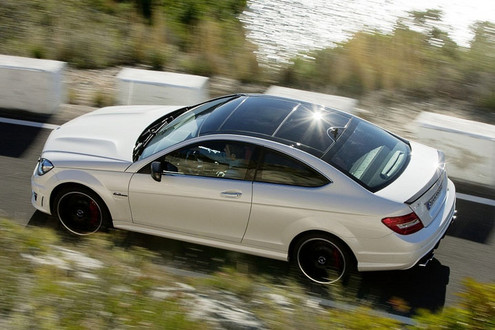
{"x": 109, "y": 133}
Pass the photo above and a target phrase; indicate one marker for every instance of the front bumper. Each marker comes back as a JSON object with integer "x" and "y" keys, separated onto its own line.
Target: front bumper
{"x": 40, "y": 191}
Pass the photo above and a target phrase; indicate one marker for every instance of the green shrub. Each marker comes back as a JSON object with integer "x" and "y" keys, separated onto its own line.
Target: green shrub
{"x": 232, "y": 280}
{"x": 476, "y": 311}
{"x": 157, "y": 60}
{"x": 102, "y": 99}
{"x": 38, "y": 51}
{"x": 488, "y": 102}
{"x": 197, "y": 64}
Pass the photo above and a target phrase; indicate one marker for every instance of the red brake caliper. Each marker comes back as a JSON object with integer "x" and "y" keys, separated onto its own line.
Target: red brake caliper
{"x": 336, "y": 258}
{"x": 94, "y": 214}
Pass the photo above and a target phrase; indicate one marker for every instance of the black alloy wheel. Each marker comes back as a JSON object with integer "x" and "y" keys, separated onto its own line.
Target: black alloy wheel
{"x": 323, "y": 260}
{"x": 81, "y": 212}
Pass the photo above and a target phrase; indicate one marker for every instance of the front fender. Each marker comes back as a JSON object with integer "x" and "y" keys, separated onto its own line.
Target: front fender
{"x": 111, "y": 187}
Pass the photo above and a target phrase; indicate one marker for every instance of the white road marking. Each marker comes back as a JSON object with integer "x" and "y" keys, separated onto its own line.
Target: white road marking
{"x": 27, "y": 123}
{"x": 479, "y": 200}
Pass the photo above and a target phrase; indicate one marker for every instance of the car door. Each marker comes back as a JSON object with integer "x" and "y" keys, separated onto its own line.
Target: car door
{"x": 285, "y": 190}
{"x": 205, "y": 191}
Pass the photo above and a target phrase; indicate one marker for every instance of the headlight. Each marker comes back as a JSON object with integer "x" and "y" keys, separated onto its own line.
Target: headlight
{"x": 44, "y": 166}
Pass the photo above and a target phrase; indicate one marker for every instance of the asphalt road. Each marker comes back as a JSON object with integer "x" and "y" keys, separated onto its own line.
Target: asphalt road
{"x": 466, "y": 251}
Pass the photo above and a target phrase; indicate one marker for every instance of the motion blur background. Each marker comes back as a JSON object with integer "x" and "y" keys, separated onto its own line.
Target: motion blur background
{"x": 421, "y": 49}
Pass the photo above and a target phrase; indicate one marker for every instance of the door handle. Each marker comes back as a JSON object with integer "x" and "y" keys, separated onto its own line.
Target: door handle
{"x": 231, "y": 194}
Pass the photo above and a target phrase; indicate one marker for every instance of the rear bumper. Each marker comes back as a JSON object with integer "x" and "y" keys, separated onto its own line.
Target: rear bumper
{"x": 423, "y": 262}
{"x": 410, "y": 250}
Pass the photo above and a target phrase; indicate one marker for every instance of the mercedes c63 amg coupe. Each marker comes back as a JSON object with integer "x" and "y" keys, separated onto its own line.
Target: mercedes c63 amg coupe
{"x": 258, "y": 174}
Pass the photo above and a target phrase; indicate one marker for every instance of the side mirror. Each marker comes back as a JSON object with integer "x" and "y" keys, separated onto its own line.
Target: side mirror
{"x": 156, "y": 171}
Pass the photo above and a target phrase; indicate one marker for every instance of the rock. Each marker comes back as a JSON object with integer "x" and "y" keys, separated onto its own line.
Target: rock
{"x": 224, "y": 313}
{"x": 280, "y": 300}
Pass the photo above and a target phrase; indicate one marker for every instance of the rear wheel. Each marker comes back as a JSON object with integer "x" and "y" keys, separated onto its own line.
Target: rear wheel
{"x": 81, "y": 211}
{"x": 322, "y": 259}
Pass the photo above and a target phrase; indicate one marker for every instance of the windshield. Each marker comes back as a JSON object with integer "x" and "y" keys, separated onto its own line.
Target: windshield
{"x": 182, "y": 128}
{"x": 369, "y": 155}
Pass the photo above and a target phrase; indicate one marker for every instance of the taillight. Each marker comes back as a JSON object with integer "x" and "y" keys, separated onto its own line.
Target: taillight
{"x": 404, "y": 225}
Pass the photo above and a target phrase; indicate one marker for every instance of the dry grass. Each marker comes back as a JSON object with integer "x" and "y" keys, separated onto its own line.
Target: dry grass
{"x": 405, "y": 61}
{"x": 101, "y": 33}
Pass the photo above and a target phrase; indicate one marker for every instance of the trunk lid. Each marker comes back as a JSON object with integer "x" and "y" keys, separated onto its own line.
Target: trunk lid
{"x": 428, "y": 206}
{"x": 422, "y": 185}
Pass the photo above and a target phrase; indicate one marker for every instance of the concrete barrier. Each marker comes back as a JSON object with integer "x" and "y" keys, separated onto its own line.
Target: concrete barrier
{"x": 31, "y": 84}
{"x": 135, "y": 86}
{"x": 332, "y": 101}
{"x": 469, "y": 146}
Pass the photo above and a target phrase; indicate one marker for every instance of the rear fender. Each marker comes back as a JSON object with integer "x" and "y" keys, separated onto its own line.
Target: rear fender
{"x": 318, "y": 224}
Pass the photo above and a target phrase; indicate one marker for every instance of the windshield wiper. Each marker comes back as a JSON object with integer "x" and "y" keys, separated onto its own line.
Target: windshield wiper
{"x": 146, "y": 137}
{"x": 151, "y": 131}
{"x": 139, "y": 147}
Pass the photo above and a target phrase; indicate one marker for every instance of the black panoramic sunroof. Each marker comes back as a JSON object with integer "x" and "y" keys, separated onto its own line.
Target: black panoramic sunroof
{"x": 299, "y": 124}
{"x": 261, "y": 115}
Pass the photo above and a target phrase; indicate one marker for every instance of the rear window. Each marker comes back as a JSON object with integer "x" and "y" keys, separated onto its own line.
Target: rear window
{"x": 370, "y": 155}
{"x": 281, "y": 169}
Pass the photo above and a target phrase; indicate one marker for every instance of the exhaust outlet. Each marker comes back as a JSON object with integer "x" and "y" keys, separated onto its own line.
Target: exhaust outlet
{"x": 426, "y": 259}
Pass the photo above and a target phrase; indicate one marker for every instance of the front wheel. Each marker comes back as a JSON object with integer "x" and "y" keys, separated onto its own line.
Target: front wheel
{"x": 322, "y": 259}
{"x": 81, "y": 211}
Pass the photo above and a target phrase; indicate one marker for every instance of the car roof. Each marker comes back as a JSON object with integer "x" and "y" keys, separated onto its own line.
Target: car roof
{"x": 300, "y": 124}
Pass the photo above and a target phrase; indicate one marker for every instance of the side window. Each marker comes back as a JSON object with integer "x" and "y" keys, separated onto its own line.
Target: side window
{"x": 278, "y": 168}
{"x": 225, "y": 159}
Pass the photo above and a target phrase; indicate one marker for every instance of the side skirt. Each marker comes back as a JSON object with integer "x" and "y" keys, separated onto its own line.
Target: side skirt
{"x": 237, "y": 247}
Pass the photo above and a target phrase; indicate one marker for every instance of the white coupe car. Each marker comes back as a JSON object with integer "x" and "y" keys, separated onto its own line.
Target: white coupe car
{"x": 258, "y": 174}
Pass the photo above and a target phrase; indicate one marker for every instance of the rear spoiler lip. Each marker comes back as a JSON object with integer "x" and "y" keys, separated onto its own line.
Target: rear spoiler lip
{"x": 438, "y": 174}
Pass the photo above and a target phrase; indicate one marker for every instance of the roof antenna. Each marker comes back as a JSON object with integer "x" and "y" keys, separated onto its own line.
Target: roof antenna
{"x": 334, "y": 131}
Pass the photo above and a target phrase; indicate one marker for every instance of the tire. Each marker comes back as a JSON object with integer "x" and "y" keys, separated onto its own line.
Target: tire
{"x": 322, "y": 258}
{"x": 81, "y": 211}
